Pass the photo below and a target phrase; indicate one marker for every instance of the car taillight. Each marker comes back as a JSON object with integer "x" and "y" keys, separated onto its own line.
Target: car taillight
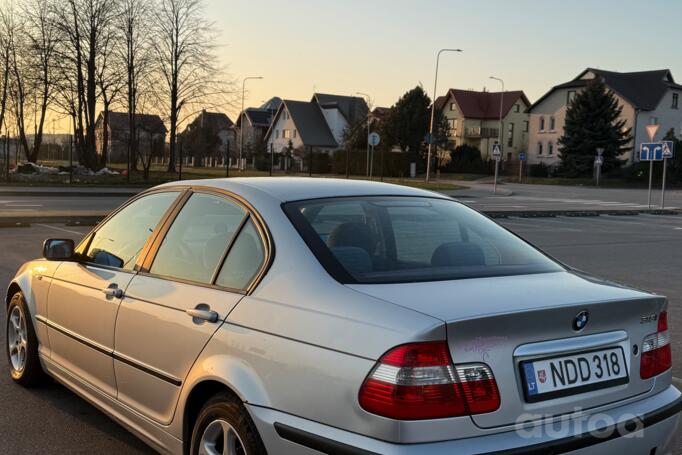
{"x": 656, "y": 354}
{"x": 419, "y": 381}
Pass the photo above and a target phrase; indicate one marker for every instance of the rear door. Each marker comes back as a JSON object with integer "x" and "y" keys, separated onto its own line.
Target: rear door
{"x": 83, "y": 298}
{"x": 199, "y": 269}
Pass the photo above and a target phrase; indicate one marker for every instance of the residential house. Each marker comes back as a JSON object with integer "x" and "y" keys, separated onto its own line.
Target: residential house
{"x": 474, "y": 119}
{"x": 253, "y": 123}
{"x": 320, "y": 123}
{"x": 647, "y": 97}
{"x": 149, "y": 129}
{"x": 210, "y": 137}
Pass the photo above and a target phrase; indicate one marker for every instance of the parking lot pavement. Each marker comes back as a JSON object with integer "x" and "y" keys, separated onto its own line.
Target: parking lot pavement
{"x": 643, "y": 251}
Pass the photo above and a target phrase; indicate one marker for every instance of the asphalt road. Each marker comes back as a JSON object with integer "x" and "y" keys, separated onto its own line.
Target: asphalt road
{"x": 644, "y": 251}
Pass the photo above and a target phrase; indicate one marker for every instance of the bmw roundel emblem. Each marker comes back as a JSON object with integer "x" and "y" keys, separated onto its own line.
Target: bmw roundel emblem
{"x": 580, "y": 320}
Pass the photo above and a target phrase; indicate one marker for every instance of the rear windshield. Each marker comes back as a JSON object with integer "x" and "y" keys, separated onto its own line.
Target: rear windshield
{"x": 410, "y": 239}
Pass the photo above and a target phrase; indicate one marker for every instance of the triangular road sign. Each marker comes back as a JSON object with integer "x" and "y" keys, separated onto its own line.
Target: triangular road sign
{"x": 651, "y": 131}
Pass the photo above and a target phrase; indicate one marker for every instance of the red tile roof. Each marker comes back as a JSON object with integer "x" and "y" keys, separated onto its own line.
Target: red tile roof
{"x": 483, "y": 105}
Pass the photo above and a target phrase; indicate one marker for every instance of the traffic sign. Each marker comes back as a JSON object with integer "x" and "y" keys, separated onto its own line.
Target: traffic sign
{"x": 651, "y": 130}
{"x": 667, "y": 149}
{"x": 497, "y": 151}
{"x": 428, "y": 138}
{"x": 651, "y": 151}
{"x": 373, "y": 139}
{"x": 598, "y": 161}
{"x": 522, "y": 156}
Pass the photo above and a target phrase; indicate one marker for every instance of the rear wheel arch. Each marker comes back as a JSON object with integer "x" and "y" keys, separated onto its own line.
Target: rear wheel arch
{"x": 11, "y": 290}
{"x": 197, "y": 397}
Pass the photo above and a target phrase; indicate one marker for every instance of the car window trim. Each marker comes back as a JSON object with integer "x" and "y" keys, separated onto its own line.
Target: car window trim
{"x": 228, "y": 248}
{"x": 250, "y": 214}
{"x": 87, "y": 239}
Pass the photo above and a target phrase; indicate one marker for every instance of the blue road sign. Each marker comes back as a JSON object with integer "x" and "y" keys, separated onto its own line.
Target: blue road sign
{"x": 428, "y": 138}
{"x": 651, "y": 151}
{"x": 522, "y": 156}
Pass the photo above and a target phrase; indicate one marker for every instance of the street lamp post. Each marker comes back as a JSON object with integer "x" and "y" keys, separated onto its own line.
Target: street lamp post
{"x": 241, "y": 128}
{"x": 433, "y": 109}
{"x": 499, "y": 133}
{"x": 369, "y": 103}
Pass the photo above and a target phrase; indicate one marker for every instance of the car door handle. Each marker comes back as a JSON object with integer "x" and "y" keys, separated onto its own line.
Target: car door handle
{"x": 202, "y": 313}
{"x": 113, "y": 291}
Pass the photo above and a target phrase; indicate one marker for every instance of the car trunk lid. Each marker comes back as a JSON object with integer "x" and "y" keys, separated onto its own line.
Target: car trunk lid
{"x": 505, "y": 321}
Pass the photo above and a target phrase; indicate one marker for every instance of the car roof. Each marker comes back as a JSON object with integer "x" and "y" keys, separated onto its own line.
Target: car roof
{"x": 285, "y": 189}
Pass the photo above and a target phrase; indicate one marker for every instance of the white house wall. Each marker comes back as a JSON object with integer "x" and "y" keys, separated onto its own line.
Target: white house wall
{"x": 667, "y": 118}
{"x": 276, "y": 139}
{"x": 337, "y": 123}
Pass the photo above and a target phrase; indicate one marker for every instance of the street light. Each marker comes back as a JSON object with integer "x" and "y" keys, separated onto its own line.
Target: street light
{"x": 241, "y": 128}
{"x": 499, "y": 133}
{"x": 369, "y": 102}
{"x": 433, "y": 109}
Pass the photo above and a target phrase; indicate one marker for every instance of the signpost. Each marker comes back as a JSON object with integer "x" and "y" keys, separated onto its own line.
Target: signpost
{"x": 497, "y": 154}
{"x": 667, "y": 152}
{"x": 598, "y": 161}
{"x": 651, "y": 131}
{"x": 522, "y": 159}
{"x": 373, "y": 140}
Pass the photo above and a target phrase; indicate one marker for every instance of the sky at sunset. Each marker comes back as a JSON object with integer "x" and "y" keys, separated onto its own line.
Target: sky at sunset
{"x": 384, "y": 47}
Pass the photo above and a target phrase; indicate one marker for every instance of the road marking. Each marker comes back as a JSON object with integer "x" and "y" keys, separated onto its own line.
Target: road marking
{"x": 59, "y": 229}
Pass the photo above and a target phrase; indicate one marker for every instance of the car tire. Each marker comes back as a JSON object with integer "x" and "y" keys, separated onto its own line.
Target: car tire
{"x": 22, "y": 345}
{"x": 224, "y": 418}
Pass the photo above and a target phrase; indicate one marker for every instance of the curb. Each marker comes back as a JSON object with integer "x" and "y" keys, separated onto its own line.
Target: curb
{"x": 33, "y": 193}
{"x": 576, "y": 213}
{"x": 26, "y": 221}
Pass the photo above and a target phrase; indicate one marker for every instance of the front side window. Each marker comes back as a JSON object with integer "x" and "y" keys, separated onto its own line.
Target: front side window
{"x": 552, "y": 123}
{"x": 676, "y": 100}
{"x": 542, "y": 124}
{"x": 550, "y": 148}
{"x": 120, "y": 240}
{"x": 198, "y": 238}
{"x": 539, "y": 148}
{"x": 410, "y": 239}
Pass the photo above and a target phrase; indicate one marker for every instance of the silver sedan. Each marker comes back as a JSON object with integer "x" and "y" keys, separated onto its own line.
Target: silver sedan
{"x": 305, "y": 316}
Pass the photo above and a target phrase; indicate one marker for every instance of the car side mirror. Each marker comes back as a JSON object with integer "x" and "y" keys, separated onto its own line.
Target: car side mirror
{"x": 59, "y": 249}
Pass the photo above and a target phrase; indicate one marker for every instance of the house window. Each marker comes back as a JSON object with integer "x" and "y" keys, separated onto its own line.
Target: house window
{"x": 295, "y": 134}
{"x": 276, "y": 134}
{"x": 517, "y": 108}
{"x": 525, "y": 126}
{"x": 452, "y": 127}
{"x": 550, "y": 149}
{"x": 653, "y": 120}
{"x": 539, "y": 148}
{"x": 552, "y": 123}
{"x": 542, "y": 124}
{"x": 286, "y": 134}
{"x": 452, "y": 106}
{"x": 569, "y": 96}
{"x": 676, "y": 100}
{"x": 510, "y": 134}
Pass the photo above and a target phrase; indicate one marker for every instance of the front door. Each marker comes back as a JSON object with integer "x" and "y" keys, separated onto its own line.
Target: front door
{"x": 171, "y": 310}
{"x": 84, "y": 296}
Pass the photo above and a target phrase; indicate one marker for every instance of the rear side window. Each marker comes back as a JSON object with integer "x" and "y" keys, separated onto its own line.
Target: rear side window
{"x": 243, "y": 261}
{"x": 410, "y": 239}
{"x": 198, "y": 238}
{"x": 120, "y": 240}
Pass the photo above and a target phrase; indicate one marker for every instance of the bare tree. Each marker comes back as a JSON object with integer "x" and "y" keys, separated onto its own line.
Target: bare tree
{"x": 6, "y": 32}
{"x": 184, "y": 45}
{"x": 85, "y": 25}
{"x": 134, "y": 53}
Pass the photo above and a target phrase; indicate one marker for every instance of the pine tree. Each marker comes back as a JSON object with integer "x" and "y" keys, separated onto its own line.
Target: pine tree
{"x": 593, "y": 121}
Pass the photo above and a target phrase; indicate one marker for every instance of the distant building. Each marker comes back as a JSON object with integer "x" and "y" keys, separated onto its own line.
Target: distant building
{"x": 647, "y": 97}
{"x": 474, "y": 119}
{"x": 150, "y": 132}
{"x": 209, "y": 135}
{"x": 253, "y": 123}
{"x": 319, "y": 123}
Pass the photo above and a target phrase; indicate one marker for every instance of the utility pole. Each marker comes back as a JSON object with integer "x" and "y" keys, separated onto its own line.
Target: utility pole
{"x": 433, "y": 109}
{"x": 369, "y": 109}
{"x": 241, "y": 120}
{"x": 499, "y": 133}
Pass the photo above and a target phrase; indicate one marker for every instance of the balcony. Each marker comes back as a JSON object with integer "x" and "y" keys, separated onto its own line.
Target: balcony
{"x": 478, "y": 132}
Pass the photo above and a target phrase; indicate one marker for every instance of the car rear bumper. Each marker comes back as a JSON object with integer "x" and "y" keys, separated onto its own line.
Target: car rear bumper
{"x": 636, "y": 428}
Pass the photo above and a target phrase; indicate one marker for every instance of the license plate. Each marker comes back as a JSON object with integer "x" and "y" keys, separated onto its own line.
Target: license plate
{"x": 568, "y": 375}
